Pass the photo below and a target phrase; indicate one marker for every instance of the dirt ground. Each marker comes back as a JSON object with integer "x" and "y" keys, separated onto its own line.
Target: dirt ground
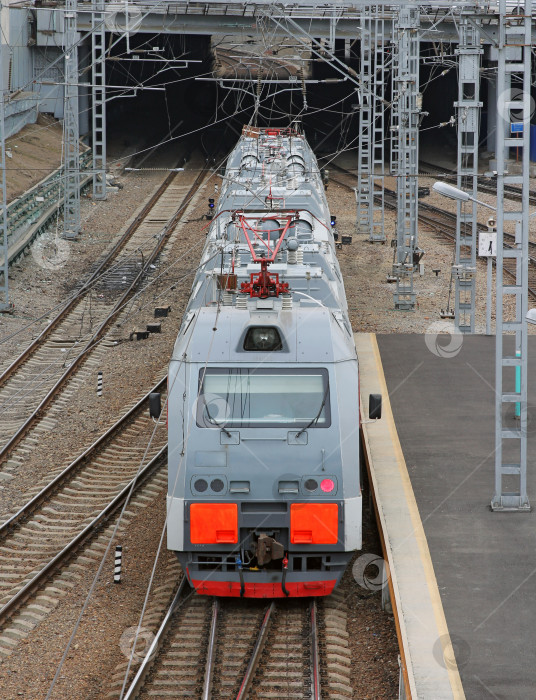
{"x": 32, "y": 154}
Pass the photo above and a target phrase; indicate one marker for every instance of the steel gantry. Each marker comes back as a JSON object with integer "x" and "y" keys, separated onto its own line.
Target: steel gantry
{"x": 405, "y": 130}
{"x": 468, "y": 119}
{"x": 98, "y": 67}
{"x": 71, "y": 213}
{"x": 370, "y": 199}
{"x": 514, "y": 64}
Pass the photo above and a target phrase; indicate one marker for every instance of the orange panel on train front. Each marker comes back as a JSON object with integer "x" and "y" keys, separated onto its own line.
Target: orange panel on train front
{"x": 314, "y": 523}
{"x": 214, "y": 523}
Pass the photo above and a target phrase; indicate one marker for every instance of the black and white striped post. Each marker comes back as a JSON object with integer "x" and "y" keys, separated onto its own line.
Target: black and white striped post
{"x": 99, "y": 384}
{"x": 117, "y": 569}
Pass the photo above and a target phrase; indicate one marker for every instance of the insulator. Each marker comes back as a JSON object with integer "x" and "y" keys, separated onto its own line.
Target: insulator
{"x": 242, "y": 301}
{"x": 292, "y": 257}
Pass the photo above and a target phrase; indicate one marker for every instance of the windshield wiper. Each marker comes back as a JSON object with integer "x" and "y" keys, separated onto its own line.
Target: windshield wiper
{"x": 315, "y": 420}
{"x": 213, "y": 420}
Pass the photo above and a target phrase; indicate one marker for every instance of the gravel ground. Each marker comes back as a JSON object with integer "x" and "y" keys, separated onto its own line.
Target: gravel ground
{"x": 365, "y": 267}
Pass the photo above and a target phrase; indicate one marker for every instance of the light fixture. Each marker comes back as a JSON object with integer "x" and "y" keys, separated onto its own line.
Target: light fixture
{"x": 262, "y": 339}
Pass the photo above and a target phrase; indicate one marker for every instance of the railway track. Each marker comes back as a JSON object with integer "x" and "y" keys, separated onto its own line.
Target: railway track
{"x": 41, "y": 537}
{"x": 36, "y": 377}
{"x": 239, "y": 649}
{"x": 443, "y": 223}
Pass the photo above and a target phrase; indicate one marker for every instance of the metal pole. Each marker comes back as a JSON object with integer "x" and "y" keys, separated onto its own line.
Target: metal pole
{"x": 365, "y": 194}
{"x": 468, "y": 119}
{"x": 4, "y": 287}
{"x": 489, "y": 291}
{"x": 407, "y": 92}
{"x": 98, "y": 90}
{"x": 71, "y": 136}
{"x": 514, "y": 67}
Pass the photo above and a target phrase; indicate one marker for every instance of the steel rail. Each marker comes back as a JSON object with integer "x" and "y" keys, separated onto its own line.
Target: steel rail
{"x": 152, "y": 652}
{"x": 163, "y": 237}
{"x": 211, "y": 652}
{"x": 119, "y": 245}
{"x": 74, "y": 466}
{"x": 256, "y": 654}
{"x": 89, "y": 531}
{"x": 315, "y": 656}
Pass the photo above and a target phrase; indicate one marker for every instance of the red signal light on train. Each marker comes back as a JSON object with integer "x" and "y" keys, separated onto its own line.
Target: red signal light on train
{"x": 327, "y": 485}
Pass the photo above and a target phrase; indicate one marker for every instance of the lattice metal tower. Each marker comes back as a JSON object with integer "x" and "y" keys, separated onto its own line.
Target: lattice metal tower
{"x": 377, "y": 233}
{"x": 98, "y": 68}
{"x": 4, "y": 285}
{"x": 514, "y": 52}
{"x": 406, "y": 130}
{"x": 468, "y": 119}
{"x": 71, "y": 213}
{"x": 370, "y": 201}
{"x": 365, "y": 192}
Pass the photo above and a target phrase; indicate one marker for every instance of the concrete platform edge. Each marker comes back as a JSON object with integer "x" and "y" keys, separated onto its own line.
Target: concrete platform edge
{"x": 428, "y": 660}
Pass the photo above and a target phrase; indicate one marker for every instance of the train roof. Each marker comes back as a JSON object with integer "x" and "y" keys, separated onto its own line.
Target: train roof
{"x": 310, "y": 334}
{"x": 269, "y": 258}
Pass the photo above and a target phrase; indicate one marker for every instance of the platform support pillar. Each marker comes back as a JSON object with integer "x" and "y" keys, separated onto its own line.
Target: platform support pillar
{"x": 406, "y": 131}
{"x": 468, "y": 119}
{"x": 71, "y": 212}
{"x": 514, "y": 67}
{"x": 98, "y": 63}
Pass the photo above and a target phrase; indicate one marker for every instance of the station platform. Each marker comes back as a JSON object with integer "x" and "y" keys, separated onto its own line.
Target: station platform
{"x": 461, "y": 577}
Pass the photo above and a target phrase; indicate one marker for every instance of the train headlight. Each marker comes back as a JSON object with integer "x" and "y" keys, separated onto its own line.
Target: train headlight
{"x": 327, "y": 485}
{"x": 265, "y": 339}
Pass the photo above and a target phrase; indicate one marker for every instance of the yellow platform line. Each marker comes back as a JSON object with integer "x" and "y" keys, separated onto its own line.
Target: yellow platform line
{"x": 428, "y": 660}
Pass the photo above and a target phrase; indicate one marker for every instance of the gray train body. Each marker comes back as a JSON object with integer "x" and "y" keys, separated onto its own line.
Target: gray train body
{"x": 264, "y": 492}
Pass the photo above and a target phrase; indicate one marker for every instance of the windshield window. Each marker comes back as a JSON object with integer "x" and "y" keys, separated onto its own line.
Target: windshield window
{"x": 266, "y": 398}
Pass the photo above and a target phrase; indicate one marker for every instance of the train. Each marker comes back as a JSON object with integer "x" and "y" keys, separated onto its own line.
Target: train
{"x": 264, "y": 488}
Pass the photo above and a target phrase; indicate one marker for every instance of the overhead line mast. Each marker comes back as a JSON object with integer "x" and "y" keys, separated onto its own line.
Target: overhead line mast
{"x": 71, "y": 135}
{"x": 406, "y": 108}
